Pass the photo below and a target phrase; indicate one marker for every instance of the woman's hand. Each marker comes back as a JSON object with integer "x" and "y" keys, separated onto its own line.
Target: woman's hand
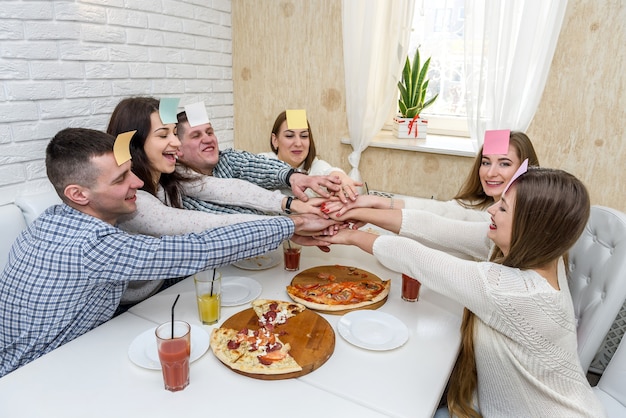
{"x": 349, "y": 187}
{"x": 313, "y": 205}
{"x": 336, "y": 209}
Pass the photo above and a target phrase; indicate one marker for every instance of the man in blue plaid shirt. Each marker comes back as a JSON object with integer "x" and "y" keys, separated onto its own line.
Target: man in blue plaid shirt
{"x": 67, "y": 271}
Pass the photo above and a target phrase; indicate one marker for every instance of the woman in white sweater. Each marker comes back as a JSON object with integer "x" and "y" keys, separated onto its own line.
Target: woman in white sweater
{"x": 296, "y": 147}
{"x": 518, "y": 351}
{"x": 482, "y": 187}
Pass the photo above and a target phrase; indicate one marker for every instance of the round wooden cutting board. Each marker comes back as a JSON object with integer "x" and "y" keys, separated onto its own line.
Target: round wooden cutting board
{"x": 311, "y": 337}
{"x": 342, "y": 274}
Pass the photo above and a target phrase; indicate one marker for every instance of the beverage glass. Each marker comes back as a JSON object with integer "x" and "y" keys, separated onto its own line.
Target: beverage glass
{"x": 291, "y": 251}
{"x": 174, "y": 354}
{"x": 208, "y": 294}
{"x": 410, "y": 288}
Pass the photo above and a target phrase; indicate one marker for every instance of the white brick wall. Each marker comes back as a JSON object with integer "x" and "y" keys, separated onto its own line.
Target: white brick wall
{"x": 65, "y": 63}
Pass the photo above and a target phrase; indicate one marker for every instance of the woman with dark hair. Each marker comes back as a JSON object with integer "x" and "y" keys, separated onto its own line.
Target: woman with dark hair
{"x": 154, "y": 149}
{"x": 482, "y": 187}
{"x": 296, "y": 147}
{"x": 518, "y": 344}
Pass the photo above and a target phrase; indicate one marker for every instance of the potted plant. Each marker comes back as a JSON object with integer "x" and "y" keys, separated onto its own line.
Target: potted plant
{"x": 413, "y": 87}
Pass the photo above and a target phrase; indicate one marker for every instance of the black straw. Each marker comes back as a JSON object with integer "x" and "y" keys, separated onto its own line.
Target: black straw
{"x": 212, "y": 281}
{"x": 367, "y": 190}
{"x": 172, "y": 335}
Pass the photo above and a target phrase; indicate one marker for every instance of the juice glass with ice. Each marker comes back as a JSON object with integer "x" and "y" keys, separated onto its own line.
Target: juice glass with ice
{"x": 174, "y": 350}
{"x": 208, "y": 295}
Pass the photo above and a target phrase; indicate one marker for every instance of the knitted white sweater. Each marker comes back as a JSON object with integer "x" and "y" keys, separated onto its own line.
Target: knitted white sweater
{"x": 525, "y": 332}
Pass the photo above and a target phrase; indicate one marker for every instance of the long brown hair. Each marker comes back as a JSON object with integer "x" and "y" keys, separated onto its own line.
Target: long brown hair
{"x": 134, "y": 113}
{"x": 471, "y": 194}
{"x": 550, "y": 213}
{"x": 308, "y": 161}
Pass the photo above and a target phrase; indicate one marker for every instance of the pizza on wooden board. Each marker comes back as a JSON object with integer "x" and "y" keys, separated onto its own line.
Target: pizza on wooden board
{"x": 338, "y": 288}
{"x": 258, "y": 351}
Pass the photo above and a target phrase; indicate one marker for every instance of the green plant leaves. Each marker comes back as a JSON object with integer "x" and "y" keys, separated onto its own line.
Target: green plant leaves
{"x": 413, "y": 87}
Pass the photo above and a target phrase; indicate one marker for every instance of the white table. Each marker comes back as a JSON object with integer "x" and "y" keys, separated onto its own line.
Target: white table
{"x": 405, "y": 382}
{"x": 92, "y": 375}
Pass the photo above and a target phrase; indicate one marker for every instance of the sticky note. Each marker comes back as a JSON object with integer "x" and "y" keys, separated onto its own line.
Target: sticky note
{"x": 496, "y": 142}
{"x": 296, "y": 119}
{"x": 168, "y": 108}
{"x": 121, "y": 147}
{"x": 196, "y": 114}
{"x": 521, "y": 170}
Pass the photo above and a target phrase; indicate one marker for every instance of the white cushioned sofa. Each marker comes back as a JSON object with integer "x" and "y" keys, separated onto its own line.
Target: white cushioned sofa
{"x": 17, "y": 216}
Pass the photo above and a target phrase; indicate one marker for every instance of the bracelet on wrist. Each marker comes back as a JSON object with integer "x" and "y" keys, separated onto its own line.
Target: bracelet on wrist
{"x": 288, "y": 205}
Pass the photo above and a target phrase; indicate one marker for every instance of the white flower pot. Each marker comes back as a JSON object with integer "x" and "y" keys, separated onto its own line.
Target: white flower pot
{"x": 407, "y": 128}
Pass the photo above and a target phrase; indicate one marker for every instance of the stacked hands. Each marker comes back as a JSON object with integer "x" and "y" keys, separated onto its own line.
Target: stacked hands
{"x": 320, "y": 219}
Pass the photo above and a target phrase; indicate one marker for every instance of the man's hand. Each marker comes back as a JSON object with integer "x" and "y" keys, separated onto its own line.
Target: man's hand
{"x": 322, "y": 185}
{"x": 311, "y": 241}
{"x": 313, "y": 225}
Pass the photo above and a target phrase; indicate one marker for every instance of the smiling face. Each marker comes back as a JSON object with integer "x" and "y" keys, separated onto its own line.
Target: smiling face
{"x": 292, "y": 144}
{"x": 501, "y": 228}
{"x": 496, "y": 171}
{"x": 199, "y": 147}
{"x": 161, "y": 147}
{"x": 113, "y": 193}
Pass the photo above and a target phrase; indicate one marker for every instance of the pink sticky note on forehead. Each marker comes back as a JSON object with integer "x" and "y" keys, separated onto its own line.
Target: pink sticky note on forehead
{"x": 521, "y": 170}
{"x": 496, "y": 142}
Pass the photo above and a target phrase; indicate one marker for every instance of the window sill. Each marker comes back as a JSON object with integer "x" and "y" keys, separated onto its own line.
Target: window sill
{"x": 434, "y": 144}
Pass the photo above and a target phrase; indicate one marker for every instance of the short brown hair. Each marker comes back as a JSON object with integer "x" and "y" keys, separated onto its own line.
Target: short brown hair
{"x": 69, "y": 155}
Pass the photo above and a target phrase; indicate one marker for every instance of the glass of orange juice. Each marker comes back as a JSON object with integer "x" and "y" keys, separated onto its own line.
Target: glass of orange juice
{"x": 208, "y": 294}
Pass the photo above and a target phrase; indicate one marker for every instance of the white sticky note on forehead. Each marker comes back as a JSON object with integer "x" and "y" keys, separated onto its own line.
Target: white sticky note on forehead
{"x": 196, "y": 114}
{"x": 121, "y": 147}
{"x": 521, "y": 170}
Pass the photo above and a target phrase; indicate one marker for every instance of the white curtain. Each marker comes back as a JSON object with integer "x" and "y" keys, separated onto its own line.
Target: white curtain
{"x": 375, "y": 43}
{"x": 508, "y": 51}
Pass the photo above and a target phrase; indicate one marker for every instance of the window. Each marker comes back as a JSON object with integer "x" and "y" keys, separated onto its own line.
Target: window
{"x": 438, "y": 31}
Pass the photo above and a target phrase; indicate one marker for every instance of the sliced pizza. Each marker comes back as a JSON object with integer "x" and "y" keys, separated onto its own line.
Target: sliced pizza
{"x": 339, "y": 296}
{"x": 275, "y": 312}
{"x": 253, "y": 351}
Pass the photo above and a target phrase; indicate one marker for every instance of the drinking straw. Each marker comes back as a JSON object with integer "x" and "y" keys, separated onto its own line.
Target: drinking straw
{"x": 367, "y": 190}
{"x": 173, "y": 305}
{"x": 212, "y": 283}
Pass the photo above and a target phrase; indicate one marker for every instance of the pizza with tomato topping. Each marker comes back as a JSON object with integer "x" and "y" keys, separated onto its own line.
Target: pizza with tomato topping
{"x": 258, "y": 351}
{"x": 339, "y": 296}
{"x": 253, "y": 351}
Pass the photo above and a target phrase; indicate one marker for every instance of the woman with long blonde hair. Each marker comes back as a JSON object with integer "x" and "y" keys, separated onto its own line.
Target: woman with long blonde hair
{"x": 518, "y": 350}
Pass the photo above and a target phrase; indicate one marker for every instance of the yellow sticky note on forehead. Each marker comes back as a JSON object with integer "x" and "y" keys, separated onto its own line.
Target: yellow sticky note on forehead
{"x": 121, "y": 147}
{"x": 296, "y": 119}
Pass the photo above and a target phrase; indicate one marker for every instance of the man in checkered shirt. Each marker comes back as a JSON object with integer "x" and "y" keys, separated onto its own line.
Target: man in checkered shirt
{"x": 67, "y": 271}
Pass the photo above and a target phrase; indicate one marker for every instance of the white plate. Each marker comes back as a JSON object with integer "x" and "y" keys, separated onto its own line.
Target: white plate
{"x": 238, "y": 290}
{"x": 143, "y": 349}
{"x": 261, "y": 262}
{"x": 373, "y": 330}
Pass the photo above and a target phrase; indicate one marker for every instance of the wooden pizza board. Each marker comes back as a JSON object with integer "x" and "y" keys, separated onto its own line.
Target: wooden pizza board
{"x": 311, "y": 337}
{"x": 310, "y": 276}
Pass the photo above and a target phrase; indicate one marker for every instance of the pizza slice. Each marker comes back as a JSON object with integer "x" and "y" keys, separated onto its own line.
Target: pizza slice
{"x": 275, "y": 312}
{"x": 253, "y": 351}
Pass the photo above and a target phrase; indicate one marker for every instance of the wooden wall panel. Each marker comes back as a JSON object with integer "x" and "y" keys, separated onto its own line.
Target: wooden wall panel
{"x": 289, "y": 54}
